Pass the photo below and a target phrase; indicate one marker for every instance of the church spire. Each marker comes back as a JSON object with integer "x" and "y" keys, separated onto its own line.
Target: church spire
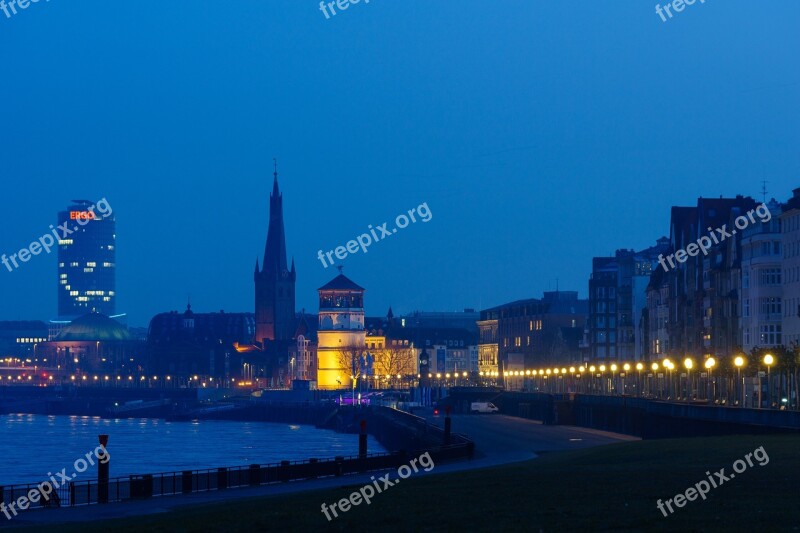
{"x": 275, "y": 250}
{"x": 275, "y": 191}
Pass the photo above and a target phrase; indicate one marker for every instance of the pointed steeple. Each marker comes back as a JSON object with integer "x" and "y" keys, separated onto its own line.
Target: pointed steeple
{"x": 293, "y": 271}
{"x": 275, "y": 250}
{"x": 275, "y": 191}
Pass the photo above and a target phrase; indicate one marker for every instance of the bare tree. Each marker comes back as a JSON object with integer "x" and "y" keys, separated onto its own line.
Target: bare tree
{"x": 349, "y": 360}
{"x": 395, "y": 361}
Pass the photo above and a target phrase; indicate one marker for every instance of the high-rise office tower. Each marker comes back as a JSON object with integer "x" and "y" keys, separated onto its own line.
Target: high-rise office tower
{"x": 86, "y": 261}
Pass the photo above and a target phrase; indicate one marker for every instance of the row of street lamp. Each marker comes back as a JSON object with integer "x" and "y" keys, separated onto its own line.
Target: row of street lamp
{"x": 543, "y": 378}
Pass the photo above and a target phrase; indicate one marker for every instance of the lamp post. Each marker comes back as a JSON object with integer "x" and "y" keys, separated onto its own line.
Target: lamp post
{"x": 639, "y": 368}
{"x": 626, "y": 367}
{"x": 603, "y": 383}
{"x": 613, "y": 380}
{"x": 654, "y": 368}
{"x": 739, "y": 363}
{"x": 709, "y": 364}
{"x": 667, "y": 364}
{"x": 769, "y": 361}
{"x": 688, "y": 363}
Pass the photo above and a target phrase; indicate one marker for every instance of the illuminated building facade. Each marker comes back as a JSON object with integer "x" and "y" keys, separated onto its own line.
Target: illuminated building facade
{"x": 341, "y": 334}
{"x": 86, "y": 262}
{"x": 487, "y": 343}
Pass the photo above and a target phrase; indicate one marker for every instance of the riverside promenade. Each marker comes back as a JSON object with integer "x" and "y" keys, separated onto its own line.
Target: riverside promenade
{"x": 498, "y": 440}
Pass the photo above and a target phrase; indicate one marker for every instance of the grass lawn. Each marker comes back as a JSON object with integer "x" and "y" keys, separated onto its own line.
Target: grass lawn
{"x": 612, "y": 488}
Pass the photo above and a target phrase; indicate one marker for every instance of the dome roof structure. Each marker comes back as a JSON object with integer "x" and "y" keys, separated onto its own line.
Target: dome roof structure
{"x": 94, "y": 327}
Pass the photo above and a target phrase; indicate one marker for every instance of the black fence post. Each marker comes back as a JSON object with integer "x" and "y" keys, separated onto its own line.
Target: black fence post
{"x": 186, "y": 482}
{"x": 222, "y": 478}
{"x": 313, "y": 468}
{"x": 284, "y": 471}
{"x": 362, "y": 441}
{"x": 103, "y": 472}
{"x": 255, "y": 475}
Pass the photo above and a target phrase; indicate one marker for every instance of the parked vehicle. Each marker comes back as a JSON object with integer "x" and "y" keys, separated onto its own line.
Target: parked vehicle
{"x": 483, "y": 407}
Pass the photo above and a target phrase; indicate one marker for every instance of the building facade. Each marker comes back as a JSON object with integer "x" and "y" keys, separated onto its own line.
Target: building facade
{"x": 790, "y": 265}
{"x": 761, "y": 320}
{"x": 617, "y": 301}
{"x": 534, "y": 332}
{"x": 86, "y": 262}
{"x": 340, "y": 332}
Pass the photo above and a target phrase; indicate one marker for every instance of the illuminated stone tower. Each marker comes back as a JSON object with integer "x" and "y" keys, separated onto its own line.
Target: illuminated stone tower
{"x": 275, "y": 281}
{"x": 341, "y": 335}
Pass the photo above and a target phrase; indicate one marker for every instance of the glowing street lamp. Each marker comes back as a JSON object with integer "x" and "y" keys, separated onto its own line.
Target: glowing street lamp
{"x": 769, "y": 361}
{"x": 688, "y": 363}
{"x": 710, "y": 364}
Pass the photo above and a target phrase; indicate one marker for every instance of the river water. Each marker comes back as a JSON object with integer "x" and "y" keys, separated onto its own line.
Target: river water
{"x": 31, "y": 446}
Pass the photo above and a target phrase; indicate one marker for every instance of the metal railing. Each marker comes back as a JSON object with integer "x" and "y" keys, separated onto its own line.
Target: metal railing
{"x": 145, "y": 486}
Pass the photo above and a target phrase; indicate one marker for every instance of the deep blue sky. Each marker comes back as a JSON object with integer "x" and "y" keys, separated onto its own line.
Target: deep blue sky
{"x": 539, "y": 133}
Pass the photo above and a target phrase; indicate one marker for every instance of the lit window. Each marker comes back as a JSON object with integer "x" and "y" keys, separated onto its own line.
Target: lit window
{"x": 91, "y": 264}
{"x": 65, "y": 242}
{"x": 88, "y": 270}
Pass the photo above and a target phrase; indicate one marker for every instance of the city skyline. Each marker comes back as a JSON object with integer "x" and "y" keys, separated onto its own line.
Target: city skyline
{"x": 303, "y": 293}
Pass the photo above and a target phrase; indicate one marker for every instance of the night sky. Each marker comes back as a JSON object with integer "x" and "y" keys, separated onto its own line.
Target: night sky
{"x": 539, "y": 134}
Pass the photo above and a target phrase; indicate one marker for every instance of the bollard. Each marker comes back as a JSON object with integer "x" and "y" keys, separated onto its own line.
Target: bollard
{"x": 448, "y": 423}
{"x": 222, "y": 478}
{"x": 102, "y": 473}
{"x": 339, "y": 465}
{"x": 362, "y": 441}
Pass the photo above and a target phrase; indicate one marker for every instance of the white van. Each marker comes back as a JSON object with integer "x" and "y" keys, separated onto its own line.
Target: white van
{"x": 483, "y": 407}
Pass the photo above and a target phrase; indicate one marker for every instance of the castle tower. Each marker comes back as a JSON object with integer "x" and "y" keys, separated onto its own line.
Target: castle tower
{"x": 275, "y": 281}
{"x": 341, "y": 335}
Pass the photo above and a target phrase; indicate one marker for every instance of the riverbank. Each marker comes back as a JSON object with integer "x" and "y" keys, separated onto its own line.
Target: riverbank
{"x": 614, "y": 487}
